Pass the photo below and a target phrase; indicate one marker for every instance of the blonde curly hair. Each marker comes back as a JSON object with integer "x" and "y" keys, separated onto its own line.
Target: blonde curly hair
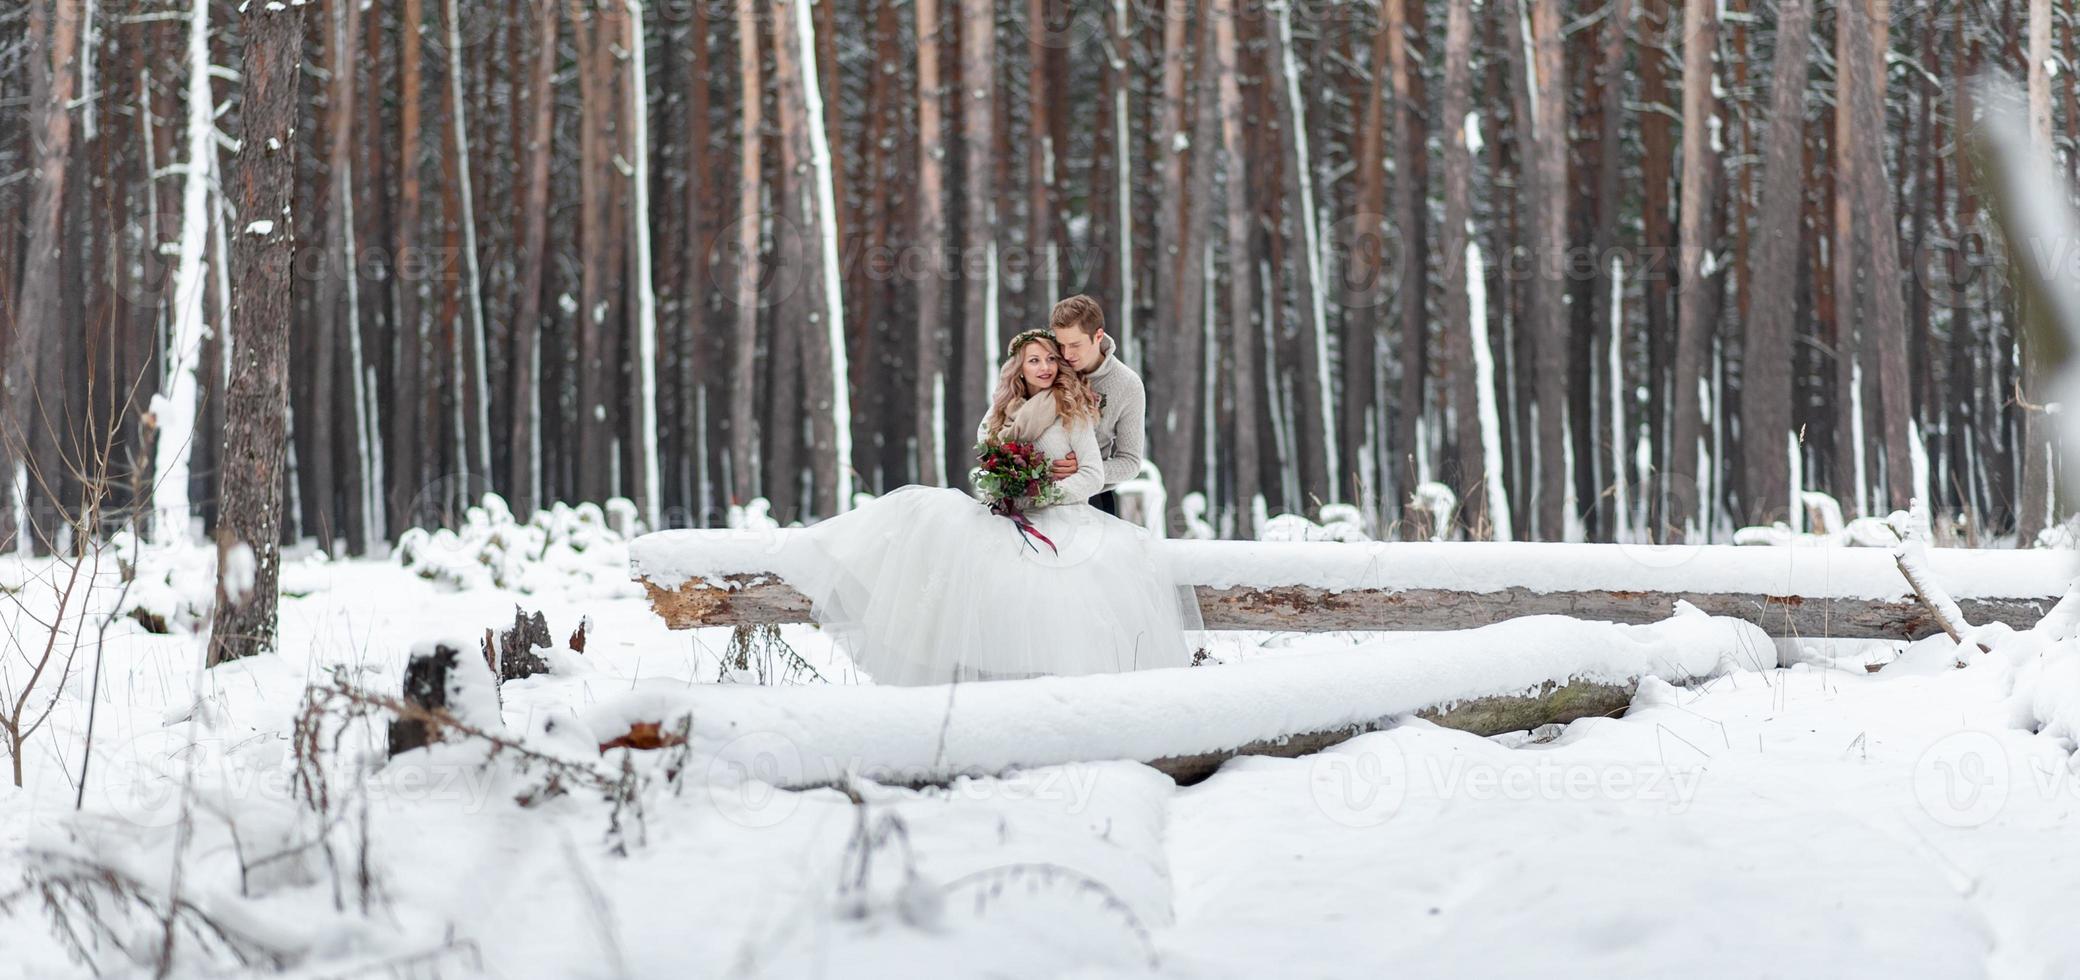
{"x": 1074, "y": 400}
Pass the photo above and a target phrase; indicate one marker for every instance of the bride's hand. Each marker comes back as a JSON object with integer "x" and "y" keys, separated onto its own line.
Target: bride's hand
{"x": 1063, "y": 468}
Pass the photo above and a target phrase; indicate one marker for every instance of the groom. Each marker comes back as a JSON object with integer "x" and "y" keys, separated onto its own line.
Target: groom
{"x": 1079, "y": 326}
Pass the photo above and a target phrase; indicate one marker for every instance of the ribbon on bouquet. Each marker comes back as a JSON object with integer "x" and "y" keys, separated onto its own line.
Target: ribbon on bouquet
{"x": 1026, "y": 531}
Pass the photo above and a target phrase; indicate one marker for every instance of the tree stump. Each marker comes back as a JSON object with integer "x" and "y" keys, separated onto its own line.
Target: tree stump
{"x": 516, "y": 647}
{"x": 442, "y": 683}
{"x": 426, "y": 681}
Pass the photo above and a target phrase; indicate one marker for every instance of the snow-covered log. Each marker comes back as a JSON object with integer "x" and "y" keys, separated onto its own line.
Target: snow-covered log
{"x": 715, "y": 578}
{"x": 1186, "y": 721}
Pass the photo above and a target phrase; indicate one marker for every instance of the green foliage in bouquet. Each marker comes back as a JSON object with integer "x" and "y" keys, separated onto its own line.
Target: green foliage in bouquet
{"x": 1013, "y": 473}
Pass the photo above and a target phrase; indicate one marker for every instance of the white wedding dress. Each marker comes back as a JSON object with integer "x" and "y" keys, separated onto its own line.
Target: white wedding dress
{"x": 926, "y": 586}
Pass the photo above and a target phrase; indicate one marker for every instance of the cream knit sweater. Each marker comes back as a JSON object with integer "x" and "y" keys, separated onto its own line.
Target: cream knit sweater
{"x": 1122, "y": 416}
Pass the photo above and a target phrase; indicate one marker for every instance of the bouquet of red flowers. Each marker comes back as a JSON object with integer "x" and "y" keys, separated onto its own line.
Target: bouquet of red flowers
{"x": 1012, "y": 474}
{"x": 1009, "y": 473}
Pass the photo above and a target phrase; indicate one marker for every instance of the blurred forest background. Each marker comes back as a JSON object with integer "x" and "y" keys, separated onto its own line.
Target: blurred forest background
{"x": 1631, "y": 270}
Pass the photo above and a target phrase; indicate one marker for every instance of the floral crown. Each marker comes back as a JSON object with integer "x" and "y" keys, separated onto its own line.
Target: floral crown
{"x": 1019, "y": 342}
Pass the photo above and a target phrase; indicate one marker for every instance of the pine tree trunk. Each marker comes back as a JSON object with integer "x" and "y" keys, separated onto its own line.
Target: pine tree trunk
{"x": 476, "y": 384}
{"x": 1546, "y": 159}
{"x": 648, "y": 478}
{"x": 1173, "y": 435}
{"x": 1126, "y": 245}
{"x": 1467, "y": 472}
{"x": 1321, "y": 473}
{"x": 1517, "y": 236}
{"x": 174, "y": 409}
{"x": 1694, "y": 326}
{"x": 1766, "y": 372}
{"x": 1847, "y": 253}
{"x": 928, "y": 403}
{"x": 1042, "y": 163}
{"x": 1658, "y": 259}
{"x": 805, "y": 155}
{"x": 53, "y": 33}
{"x": 700, "y": 354}
{"x": 744, "y": 434}
{"x": 525, "y": 450}
{"x": 1364, "y": 293}
{"x": 1242, "y": 372}
{"x": 594, "y": 432}
{"x": 249, "y": 522}
{"x": 1878, "y": 215}
{"x": 2034, "y": 498}
{"x": 409, "y": 468}
{"x": 1187, "y": 372}
{"x": 1610, "y": 498}
{"x": 978, "y": 115}
{"x": 873, "y": 357}
{"x": 338, "y": 293}
{"x": 1410, "y": 219}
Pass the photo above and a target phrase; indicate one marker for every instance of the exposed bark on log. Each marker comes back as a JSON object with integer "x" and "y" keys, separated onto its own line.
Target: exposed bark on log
{"x": 765, "y": 599}
{"x": 1553, "y": 704}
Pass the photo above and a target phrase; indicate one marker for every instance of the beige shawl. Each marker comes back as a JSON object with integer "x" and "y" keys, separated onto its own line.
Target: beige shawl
{"x": 1028, "y": 419}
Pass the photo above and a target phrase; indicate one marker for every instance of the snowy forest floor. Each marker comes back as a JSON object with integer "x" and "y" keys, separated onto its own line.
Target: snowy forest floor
{"x": 1816, "y": 820}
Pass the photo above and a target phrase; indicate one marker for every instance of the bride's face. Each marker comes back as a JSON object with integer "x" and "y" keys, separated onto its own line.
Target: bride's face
{"x": 1039, "y": 364}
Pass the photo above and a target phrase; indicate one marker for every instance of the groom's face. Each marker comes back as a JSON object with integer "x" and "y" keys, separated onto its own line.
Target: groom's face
{"x": 1080, "y": 347}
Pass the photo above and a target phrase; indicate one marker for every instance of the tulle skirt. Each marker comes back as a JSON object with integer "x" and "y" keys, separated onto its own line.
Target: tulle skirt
{"x": 926, "y": 586}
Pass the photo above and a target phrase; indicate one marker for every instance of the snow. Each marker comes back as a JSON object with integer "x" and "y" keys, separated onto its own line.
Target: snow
{"x": 261, "y": 227}
{"x": 581, "y": 550}
{"x": 796, "y": 737}
{"x": 1816, "y": 820}
{"x": 669, "y": 558}
{"x": 1484, "y": 376}
{"x": 1440, "y": 503}
{"x": 238, "y": 572}
{"x": 1615, "y": 373}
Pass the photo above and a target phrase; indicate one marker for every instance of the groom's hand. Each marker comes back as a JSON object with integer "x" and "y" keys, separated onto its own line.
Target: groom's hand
{"x": 1063, "y": 468}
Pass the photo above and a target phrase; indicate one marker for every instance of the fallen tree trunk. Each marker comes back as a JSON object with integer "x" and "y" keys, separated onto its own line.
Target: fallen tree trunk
{"x": 729, "y": 578}
{"x": 1184, "y": 721}
{"x": 756, "y": 599}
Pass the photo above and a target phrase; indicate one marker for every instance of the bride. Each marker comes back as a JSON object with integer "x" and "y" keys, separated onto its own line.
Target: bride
{"x": 927, "y": 585}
